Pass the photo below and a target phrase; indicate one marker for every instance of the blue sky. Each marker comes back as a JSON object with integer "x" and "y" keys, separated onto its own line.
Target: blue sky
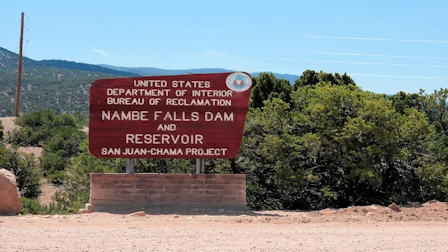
{"x": 385, "y": 45}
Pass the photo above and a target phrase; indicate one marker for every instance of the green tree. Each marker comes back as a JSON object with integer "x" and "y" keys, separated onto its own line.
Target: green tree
{"x": 434, "y": 168}
{"x": 266, "y": 85}
{"x": 143, "y": 165}
{"x": 367, "y": 150}
{"x": 435, "y": 107}
{"x": 269, "y": 155}
{"x": 337, "y": 146}
{"x": 402, "y": 101}
{"x": 37, "y": 126}
{"x": 311, "y": 78}
{"x": 76, "y": 178}
{"x": 58, "y": 149}
{"x": 81, "y": 120}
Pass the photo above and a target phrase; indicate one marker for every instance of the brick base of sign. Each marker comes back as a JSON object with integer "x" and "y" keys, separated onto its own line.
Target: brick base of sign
{"x": 109, "y": 190}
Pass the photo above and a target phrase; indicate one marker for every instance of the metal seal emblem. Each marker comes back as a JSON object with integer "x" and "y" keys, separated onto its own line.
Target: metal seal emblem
{"x": 238, "y": 82}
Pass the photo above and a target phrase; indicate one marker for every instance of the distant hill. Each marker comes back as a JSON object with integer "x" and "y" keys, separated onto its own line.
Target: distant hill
{"x": 290, "y": 77}
{"x": 152, "y": 71}
{"x": 10, "y": 59}
{"x": 84, "y": 67}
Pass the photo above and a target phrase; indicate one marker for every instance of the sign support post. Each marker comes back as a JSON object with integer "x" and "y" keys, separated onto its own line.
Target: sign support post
{"x": 200, "y": 166}
{"x": 130, "y": 166}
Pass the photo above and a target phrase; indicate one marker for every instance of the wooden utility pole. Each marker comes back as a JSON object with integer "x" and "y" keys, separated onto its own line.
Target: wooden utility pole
{"x": 19, "y": 71}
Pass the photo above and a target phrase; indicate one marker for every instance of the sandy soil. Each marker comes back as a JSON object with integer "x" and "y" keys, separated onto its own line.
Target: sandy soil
{"x": 48, "y": 191}
{"x": 371, "y": 228}
{"x": 8, "y": 124}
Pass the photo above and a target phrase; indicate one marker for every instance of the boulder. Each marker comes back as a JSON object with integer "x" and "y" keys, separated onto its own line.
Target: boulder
{"x": 10, "y": 202}
{"x": 394, "y": 207}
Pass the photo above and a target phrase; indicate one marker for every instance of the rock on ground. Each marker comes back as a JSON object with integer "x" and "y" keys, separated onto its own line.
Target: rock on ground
{"x": 10, "y": 202}
{"x": 394, "y": 207}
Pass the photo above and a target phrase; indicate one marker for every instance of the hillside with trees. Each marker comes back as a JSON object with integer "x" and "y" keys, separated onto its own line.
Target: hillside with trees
{"x": 61, "y": 86}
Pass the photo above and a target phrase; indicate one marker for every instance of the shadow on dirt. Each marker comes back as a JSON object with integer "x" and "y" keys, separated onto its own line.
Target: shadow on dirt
{"x": 177, "y": 210}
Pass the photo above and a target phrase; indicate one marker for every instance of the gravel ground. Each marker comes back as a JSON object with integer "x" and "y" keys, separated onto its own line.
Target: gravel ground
{"x": 371, "y": 228}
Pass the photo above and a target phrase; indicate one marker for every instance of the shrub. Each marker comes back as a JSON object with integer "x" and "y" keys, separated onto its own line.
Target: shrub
{"x": 31, "y": 206}
{"x": 24, "y": 167}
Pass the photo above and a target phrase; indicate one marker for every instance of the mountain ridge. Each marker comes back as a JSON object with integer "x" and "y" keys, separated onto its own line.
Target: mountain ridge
{"x": 63, "y": 86}
{"x": 153, "y": 71}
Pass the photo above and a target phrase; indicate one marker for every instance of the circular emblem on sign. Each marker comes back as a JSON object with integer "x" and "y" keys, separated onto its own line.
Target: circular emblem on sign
{"x": 239, "y": 82}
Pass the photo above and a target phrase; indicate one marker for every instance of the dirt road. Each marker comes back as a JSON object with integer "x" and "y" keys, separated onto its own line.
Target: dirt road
{"x": 371, "y": 228}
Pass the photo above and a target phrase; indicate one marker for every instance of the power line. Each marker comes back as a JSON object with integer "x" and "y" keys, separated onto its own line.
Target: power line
{"x": 399, "y": 76}
{"x": 121, "y": 25}
{"x": 321, "y": 36}
{"x": 352, "y": 54}
{"x": 319, "y": 52}
{"x": 9, "y": 28}
{"x": 343, "y": 62}
{"x": 316, "y": 52}
{"x": 347, "y": 62}
{"x": 14, "y": 48}
{"x": 372, "y": 39}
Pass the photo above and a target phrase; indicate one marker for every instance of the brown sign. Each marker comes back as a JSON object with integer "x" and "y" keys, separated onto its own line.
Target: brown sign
{"x": 183, "y": 116}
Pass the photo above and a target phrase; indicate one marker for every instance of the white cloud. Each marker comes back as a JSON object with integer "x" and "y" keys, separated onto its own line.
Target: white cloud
{"x": 212, "y": 53}
{"x": 100, "y": 52}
